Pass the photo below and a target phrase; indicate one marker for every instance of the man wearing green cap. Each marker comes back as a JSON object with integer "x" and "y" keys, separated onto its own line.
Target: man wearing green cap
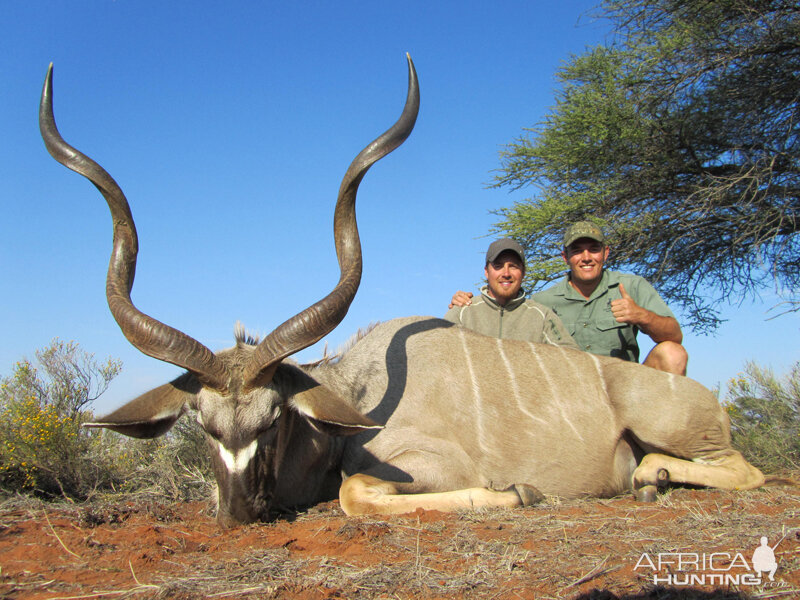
{"x": 604, "y": 310}
{"x": 502, "y": 310}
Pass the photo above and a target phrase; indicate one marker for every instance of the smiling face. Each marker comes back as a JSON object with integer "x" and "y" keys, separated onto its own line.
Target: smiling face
{"x": 585, "y": 258}
{"x": 504, "y": 276}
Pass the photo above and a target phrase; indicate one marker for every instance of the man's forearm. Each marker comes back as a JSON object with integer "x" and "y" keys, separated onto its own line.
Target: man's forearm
{"x": 661, "y": 329}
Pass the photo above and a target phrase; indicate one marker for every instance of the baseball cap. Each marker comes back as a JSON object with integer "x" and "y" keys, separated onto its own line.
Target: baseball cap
{"x": 499, "y": 246}
{"x": 583, "y": 229}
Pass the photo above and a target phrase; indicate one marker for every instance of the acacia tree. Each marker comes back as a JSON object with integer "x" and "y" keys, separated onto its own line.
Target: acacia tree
{"x": 681, "y": 137}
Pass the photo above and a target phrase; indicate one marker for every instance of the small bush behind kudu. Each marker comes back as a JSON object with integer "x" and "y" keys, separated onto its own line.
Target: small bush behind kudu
{"x": 44, "y": 451}
{"x": 765, "y": 417}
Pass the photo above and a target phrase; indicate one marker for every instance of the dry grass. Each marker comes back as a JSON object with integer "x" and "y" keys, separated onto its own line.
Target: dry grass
{"x": 584, "y": 549}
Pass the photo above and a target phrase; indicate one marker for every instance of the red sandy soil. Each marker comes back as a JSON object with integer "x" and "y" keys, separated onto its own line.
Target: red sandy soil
{"x": 560, "y": 549}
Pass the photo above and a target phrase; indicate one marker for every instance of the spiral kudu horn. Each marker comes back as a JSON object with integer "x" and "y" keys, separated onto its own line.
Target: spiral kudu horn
{"x": 165, "y": 343}
{"x": 321, "y": 318}
{"x": 146, "y": 333}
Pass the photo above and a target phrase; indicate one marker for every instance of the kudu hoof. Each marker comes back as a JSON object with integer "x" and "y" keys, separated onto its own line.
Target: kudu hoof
{"x": 646, "y": 493}
{"x": 649, "y": 491}
{"x": 528, "y": 494}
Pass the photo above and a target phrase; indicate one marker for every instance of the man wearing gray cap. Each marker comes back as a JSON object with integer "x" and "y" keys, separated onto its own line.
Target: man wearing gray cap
{"x": 502, "y": 310}
{"x": 604, "y": 310}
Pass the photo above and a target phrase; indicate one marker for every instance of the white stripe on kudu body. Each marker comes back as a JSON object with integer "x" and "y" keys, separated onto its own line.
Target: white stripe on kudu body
{"x": 599, "y": 371}
{"x": 476, "y": 391}
{"x": 552, "y": 387}
{"x": 512, "y": 380}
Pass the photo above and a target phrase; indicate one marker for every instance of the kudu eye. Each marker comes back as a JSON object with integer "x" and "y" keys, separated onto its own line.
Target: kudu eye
{"x": 211, "y": 430}
{"x": 214, "y": 433}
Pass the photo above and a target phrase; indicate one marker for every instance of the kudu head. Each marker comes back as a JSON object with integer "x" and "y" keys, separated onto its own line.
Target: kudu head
{"x": 253, "y": 407}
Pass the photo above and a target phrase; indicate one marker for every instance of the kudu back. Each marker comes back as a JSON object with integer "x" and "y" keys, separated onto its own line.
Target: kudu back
{"x": 418, "y": 413}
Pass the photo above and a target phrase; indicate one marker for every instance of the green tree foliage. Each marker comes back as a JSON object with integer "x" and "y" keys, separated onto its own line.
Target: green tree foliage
{"x": 765, "y": 417}
{"x": 681, "y": 137}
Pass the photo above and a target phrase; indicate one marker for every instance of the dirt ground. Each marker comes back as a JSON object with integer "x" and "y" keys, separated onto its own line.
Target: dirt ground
{"x": 587, "y": 549}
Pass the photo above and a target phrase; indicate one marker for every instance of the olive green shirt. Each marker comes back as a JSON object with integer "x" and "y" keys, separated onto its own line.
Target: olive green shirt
{"x": 591, "y": 323}
{"x": 519, "y": 319}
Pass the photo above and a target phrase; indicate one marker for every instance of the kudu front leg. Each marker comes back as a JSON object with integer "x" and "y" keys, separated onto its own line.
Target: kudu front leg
{"x": 729, "y": 471}
{"x": 362, "y": 494}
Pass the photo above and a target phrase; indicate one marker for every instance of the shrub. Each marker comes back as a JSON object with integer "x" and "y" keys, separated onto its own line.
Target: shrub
{"x": 765, "y": 416}
{"x": 42, "y": 445}
{"x": 44, "y": 450}
{"x": 176, "y": 465}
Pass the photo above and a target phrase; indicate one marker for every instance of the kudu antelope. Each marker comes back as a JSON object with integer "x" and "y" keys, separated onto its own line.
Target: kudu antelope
{"x": 419, "y": 413}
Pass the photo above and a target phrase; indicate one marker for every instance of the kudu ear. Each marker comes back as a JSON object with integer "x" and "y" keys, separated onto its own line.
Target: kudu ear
{"x": 153, "y": 413}
{"x": 321, "y": 406}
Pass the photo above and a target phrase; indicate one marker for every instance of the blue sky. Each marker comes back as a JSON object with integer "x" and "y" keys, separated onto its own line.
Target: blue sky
{"x": 229, "y": 127}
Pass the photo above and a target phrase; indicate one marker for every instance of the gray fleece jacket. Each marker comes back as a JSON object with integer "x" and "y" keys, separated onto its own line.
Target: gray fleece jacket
{"x": 519, "y": 319}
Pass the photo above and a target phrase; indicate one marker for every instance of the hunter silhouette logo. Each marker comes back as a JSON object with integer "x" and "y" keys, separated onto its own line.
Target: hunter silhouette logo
{"x": 764, "y": 558}
{"x": 714, "y": 568}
